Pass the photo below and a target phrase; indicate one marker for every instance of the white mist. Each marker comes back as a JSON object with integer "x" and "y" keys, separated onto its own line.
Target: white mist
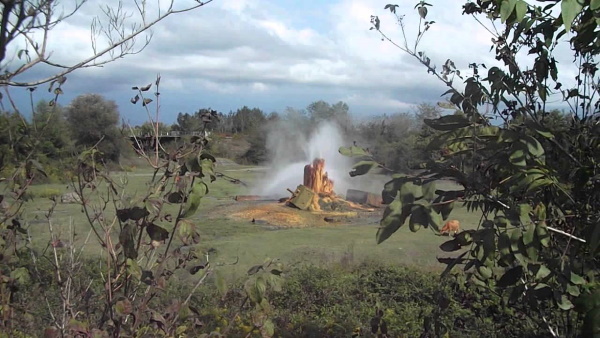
{"x": 291, "y": 151}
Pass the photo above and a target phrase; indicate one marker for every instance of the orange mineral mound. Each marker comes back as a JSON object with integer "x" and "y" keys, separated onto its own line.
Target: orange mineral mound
{"x": 317, "y": 179}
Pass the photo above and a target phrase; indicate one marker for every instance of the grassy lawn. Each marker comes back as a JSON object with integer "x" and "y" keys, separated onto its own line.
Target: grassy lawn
{"x": 249, "y": 243}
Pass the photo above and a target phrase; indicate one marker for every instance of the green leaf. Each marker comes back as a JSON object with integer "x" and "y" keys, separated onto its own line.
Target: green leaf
{"x": 541, "y": 231}
{"x": 186, "y": 229}
{"x": 180, "y": 331}
{"x": 504, "y": 247}
{"x": 153, "y": 204}
{"x": 570, "y": 10}
{"x": 529, "y": 234}
{"x": 275, "y": 282}
{"x": 268, "y": 328}
{"x": 524, "y": 210}
{"x": 438, "y": 141}
{"x": 255, "y": 269}
{"x": 175, "y": 197}
{"x": 510, "y": 277}
{"x": 594, "y": 4}
{"x": 485, "y": 272}
{"x": 540, "y": 212}
{"x": 123, "y": 307}
{"x": 521, "y": 10}
{"x": 192, "y": 164}
{"x": 134, "y": 214}
{"x": 261, "y": 285}
{"x": 391, "y": 188}
{"x": 573, "y": 290}
{"x": 534, "y": 146}
{"x": 409, "y": 192}
{"x": 156, "y": 232}
{"x": 506, "y": 9}
{"x": 542, "y": 291}
{"x": 363, "y": 167}
{"x": 448, "y": 122}
{"x": 208, "y": 168}
{"x": 20, "y": 275}
{"x": 563, "y": 302}
{"x": 451, "y": 245}
{"x": 501, "y": 221}
{"x": 199, "y": 190}
{"x": 515, "y": 238}
{"x": 540, "y": 271}
{"x": 536, "y": 181}
{"x": 435, "y": 220}
{"x": 488, "y": 238}
{"x": 132, "y": 268}
{"x": 127, "y": 240}
{"x": 577, "y": 279}
{"x": 419, "y": 218}
{"x": 517, "y": 158}
{"x": 446, "y": 209}
{"x": 428, "y": 190}
{"x": 393, "y": 218}
{"x": 456, "y": 148}
{"x": 353, "y": 151}
{"x": 147, "y": 277}
{"x": 194, "y": 269}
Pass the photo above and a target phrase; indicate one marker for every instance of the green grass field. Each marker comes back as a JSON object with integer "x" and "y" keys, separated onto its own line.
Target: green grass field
{"x": 250, "y": 243}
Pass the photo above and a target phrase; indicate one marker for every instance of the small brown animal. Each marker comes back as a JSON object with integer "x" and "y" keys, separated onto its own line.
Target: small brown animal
{"x": 451, "y": 226}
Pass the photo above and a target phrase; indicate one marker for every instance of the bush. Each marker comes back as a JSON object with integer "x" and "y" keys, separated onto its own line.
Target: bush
{"x": 339, "y": 303}
{"x": 314, "y": 302}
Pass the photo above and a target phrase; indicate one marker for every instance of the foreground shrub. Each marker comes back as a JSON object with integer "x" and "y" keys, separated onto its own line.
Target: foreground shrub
{"x": 338, "y": 302}
{"x": 313, "y": 302}
{"x": 318, "y": 302}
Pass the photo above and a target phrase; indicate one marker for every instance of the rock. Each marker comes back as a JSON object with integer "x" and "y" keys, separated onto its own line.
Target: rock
{"x": 70, "y": 198}
{"x": 364, "y": 197}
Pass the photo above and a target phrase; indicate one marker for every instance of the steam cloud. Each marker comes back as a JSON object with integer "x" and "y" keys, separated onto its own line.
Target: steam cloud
{"x": 291, "y": 148}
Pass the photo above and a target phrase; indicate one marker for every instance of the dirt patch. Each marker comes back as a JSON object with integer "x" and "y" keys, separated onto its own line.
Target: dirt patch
{"x": 278, "y": 214}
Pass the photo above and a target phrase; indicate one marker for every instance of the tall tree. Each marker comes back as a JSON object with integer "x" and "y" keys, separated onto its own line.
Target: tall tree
{"x": 187, "y": 123}
{"x": 320, "y": 111}
{"x": 51, "y": 130}
{"x": 246, "y": 120}
{"x": 94, "y": 120}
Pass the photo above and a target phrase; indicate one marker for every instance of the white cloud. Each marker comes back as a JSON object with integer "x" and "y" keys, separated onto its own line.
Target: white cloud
{"x": 252, "y": 50}
{"x": 259, "y": 87}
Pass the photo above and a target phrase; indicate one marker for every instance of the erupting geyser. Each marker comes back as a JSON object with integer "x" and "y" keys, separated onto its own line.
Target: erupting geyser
{"x": 291, "y": 151}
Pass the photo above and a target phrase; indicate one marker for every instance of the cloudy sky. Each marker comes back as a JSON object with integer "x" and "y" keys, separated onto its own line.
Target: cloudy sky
{"x": 272, "y": 54}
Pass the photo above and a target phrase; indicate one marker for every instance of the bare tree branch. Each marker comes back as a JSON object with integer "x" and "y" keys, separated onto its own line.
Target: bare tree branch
{"x": 20, "y": 21}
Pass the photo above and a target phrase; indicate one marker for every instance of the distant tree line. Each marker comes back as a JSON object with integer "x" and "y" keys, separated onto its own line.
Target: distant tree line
{"x": 57, "y": 133}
